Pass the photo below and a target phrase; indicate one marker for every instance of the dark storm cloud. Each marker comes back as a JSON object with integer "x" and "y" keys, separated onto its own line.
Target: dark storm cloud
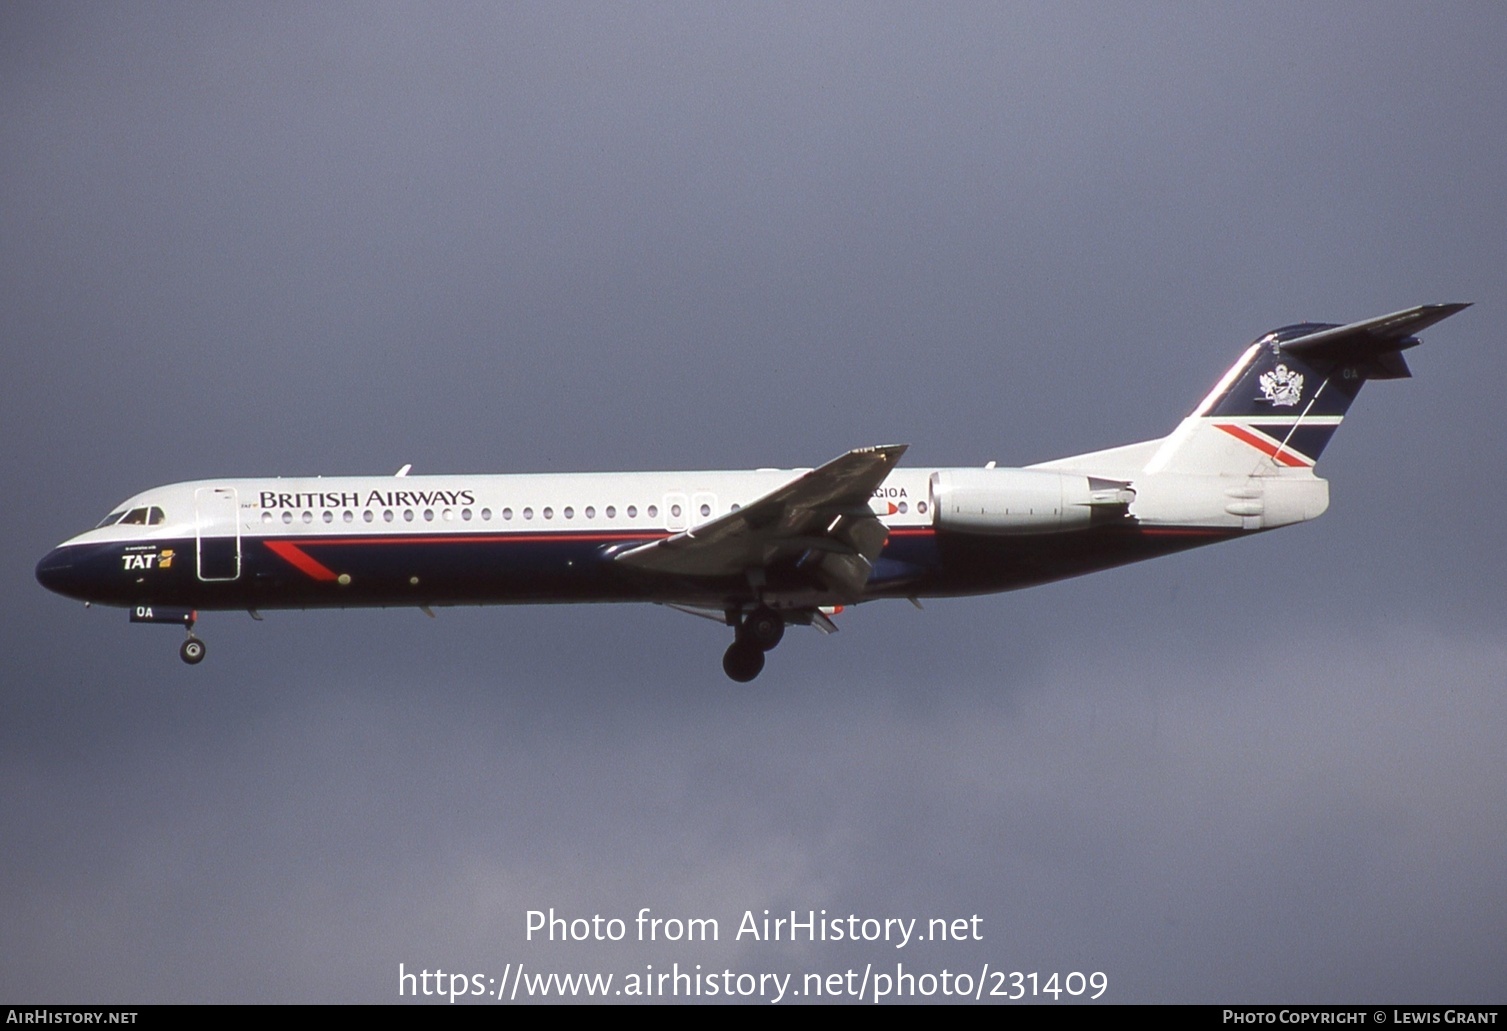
{"x": 1254, "y": 836}
{"x": 257, "y": 241}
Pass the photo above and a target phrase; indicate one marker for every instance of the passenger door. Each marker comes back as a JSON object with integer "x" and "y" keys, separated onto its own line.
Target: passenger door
{"x": 217, "y": 533}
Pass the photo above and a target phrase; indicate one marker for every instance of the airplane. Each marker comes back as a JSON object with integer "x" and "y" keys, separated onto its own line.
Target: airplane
{"x": 756, "y": 550}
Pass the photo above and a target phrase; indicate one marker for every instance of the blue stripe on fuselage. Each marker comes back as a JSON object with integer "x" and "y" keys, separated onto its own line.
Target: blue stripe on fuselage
{"x": 523, "y": 568}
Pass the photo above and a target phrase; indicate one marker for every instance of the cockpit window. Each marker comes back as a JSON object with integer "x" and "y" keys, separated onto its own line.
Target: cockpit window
{"x": 111, "y": 519}
{"x": 143, "y": 517}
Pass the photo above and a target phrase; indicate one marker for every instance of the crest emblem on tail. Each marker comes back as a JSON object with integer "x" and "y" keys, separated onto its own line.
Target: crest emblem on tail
{"x": 1282, "y": 386}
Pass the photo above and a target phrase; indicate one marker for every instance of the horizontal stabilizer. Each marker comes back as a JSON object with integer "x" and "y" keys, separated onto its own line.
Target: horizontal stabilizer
{"x": 1374, "y": 346}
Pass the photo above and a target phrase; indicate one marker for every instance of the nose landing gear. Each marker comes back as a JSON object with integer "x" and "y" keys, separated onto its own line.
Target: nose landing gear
{"x": 760, "y": 631}
{"x": 192, "y": 651}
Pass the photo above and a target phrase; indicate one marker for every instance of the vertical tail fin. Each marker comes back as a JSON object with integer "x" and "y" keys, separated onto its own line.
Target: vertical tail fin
{"x": 1277, "y": 407}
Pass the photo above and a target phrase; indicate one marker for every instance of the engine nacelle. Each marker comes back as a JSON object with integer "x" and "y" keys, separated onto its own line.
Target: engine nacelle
{"x": 1024, "y": 501}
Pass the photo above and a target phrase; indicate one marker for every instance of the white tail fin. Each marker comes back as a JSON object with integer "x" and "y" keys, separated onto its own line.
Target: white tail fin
{"x": 1277, "y": 407}
{"x": 1243, "y": 460}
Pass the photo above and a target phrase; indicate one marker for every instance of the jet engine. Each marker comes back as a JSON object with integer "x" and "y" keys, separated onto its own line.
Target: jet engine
{"x": 1026, "y": 501}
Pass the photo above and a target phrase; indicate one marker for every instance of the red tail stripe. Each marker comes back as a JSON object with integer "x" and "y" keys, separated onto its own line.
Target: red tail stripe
{"x": 1266, "y": 447}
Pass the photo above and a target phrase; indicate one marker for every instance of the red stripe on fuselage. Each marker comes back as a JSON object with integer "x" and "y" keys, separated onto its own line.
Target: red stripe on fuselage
{"x": 293, "y": 554}
{"x": 490, "y": 538}
{"x": 293, "y": 551}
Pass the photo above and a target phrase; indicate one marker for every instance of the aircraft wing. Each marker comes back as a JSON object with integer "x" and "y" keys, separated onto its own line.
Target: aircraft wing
{"x": 821, "y": 518}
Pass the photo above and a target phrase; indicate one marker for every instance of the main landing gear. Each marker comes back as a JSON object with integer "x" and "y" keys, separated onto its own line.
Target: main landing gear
{"x": 759, "y": 632}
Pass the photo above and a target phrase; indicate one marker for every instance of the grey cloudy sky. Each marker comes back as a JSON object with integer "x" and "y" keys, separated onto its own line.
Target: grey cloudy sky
{"x": 245, "y": 240}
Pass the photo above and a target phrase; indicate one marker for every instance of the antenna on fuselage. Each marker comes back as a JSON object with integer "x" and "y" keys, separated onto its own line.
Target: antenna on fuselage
{"x": 404, "y": 471}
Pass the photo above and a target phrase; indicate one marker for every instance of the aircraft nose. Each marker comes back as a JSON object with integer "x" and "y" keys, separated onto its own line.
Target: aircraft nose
{"x": 56, "y": 571}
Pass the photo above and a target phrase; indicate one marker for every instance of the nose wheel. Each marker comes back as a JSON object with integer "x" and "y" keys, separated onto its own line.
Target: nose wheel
{"x": 192, "y": 651}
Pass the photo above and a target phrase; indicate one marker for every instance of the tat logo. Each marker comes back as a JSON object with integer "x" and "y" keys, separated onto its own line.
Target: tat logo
{"x": 148, "y": 560}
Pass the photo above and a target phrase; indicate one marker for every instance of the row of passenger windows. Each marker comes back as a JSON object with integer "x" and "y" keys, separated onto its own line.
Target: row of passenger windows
{"x": 447, "y": 515}
{"x": 408, "y": 515}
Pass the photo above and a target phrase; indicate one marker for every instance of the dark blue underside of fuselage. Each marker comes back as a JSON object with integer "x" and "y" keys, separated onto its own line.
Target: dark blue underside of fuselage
{"x": 352, "y": 571}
